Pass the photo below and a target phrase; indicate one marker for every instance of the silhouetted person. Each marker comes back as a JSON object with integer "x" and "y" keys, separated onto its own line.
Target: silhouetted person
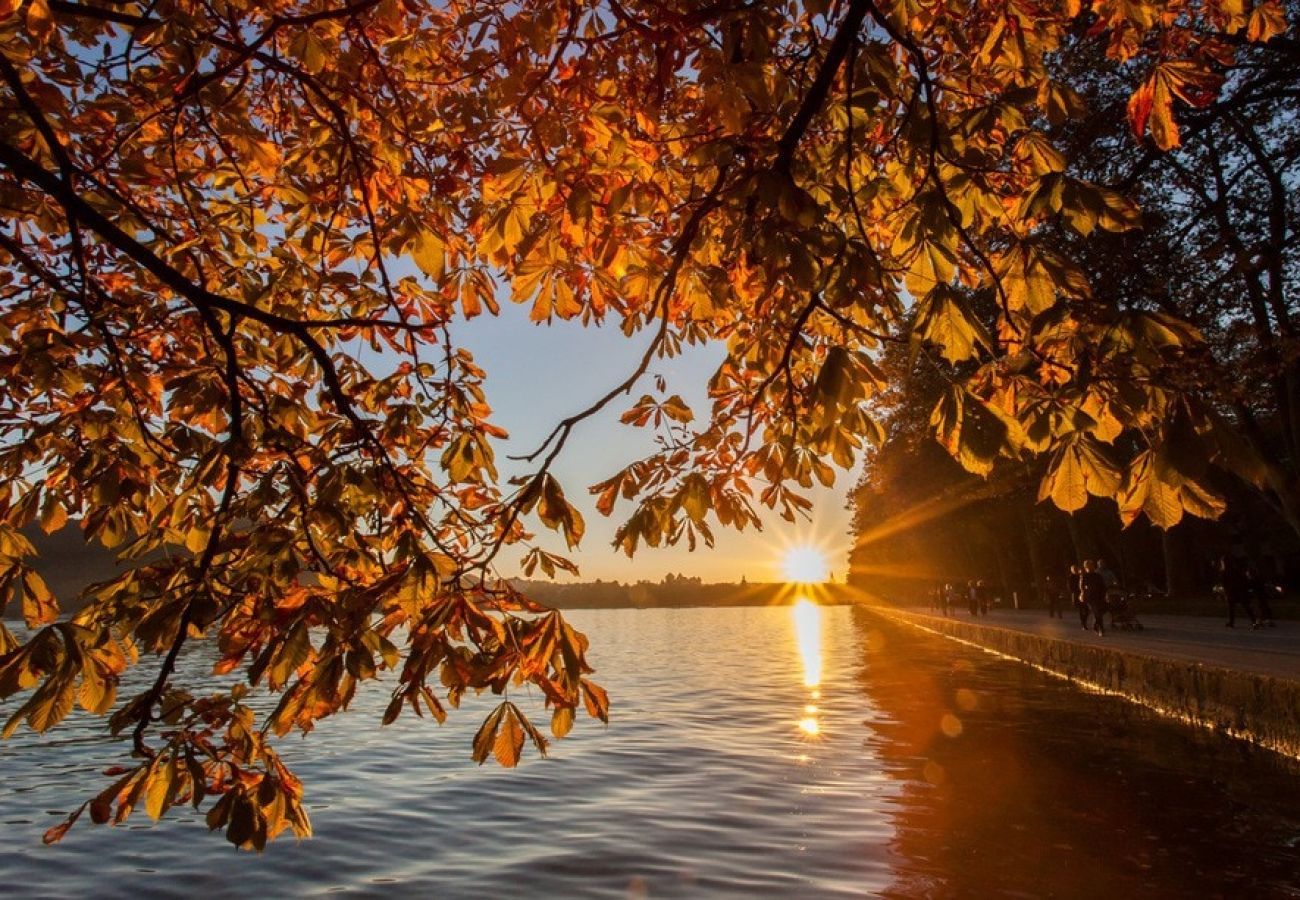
{"x": 972, "y": 598}
{"x": 984, "y": 596}
{"x": 1094, "y": 594}
{"x": 1232, "y": 579}
{"x": 1257, "y": 591}
{"x": 949, "y": 598}
{"x": 1074, "y": 583}
{"x": 1052, "y": 596}
{"x": 1111, "y": 581}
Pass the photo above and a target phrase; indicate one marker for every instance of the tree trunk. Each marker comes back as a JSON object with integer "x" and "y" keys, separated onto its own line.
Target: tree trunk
{"x": 1179, "y": 580}
{"x": 1031, "y": 542}
{"x": 1076, "y": 539}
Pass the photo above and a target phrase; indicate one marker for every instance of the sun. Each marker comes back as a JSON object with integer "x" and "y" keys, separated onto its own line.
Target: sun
{"x": 804, "y": 565}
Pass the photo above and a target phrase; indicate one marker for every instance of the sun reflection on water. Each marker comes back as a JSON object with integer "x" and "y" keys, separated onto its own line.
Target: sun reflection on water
{"x": 808, "y": 637}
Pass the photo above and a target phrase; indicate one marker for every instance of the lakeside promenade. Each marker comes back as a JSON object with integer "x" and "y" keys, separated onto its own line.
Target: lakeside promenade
{"x": 1242, "y": 682}
{"x": 1193, "y": 639}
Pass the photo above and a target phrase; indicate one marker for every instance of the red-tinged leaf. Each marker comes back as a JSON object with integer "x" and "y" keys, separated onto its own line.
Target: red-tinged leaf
{"x": 485, "y": 737}
{"x": 394, "y": 709}
{"x": 1267, "y": 21}
{"x": 676, "y": 409}
{"x": 534, "y": 735}
{"x": 100, "y": 810}
{"x": 596, "y": 700}
{"x": 1139, "y": 107}
{"x": 434, "y": 706}
{"x": 55, "y": 834}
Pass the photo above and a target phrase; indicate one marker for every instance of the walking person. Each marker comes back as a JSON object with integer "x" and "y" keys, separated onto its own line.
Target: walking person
{"x": 949, "y": 599}
{"x": 1094, "y": 595}
{"x": 1074, "y": 583}
{"x": 1232, "y": 582}
{"x": 972, "y": 598}
{"x": 1257, "y": 591}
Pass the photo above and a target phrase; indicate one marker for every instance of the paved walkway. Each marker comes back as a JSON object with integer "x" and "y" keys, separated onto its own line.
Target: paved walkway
{"x": 1267, "y": 651}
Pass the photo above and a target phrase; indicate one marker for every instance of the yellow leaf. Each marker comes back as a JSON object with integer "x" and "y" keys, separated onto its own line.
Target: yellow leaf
{"x": 39, "y": 605}
{"x": 1162, "y": 504}
{"x": 942, "y": 320}
{"x": 1037, "y": 152}
{"x": 509, "y": 742}
{"x": 161, "y": 789}
{"x": 1064, "y": 482}
{"x": 562, "y": 721}
{"x": 1202, "y": 501}
{"x": 430, "y": 254}
{"x": 47, "y": 707}
{"x": 53, "y": 515}
{"x": 293, "y": 653}
{"x": 196, "y": 539}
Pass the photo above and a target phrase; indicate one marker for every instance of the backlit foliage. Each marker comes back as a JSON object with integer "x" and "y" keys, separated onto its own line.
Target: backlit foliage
{"x": 216, "y": 212}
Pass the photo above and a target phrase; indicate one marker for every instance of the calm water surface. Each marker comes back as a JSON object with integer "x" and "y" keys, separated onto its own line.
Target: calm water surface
{"x": 761, "y": 751}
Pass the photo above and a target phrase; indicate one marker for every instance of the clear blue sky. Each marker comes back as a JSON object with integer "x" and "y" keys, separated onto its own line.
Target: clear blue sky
{"x": 538, "y": 374}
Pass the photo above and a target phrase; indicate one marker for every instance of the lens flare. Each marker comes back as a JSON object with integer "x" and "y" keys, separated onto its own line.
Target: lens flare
{"x": 804, "y": 565}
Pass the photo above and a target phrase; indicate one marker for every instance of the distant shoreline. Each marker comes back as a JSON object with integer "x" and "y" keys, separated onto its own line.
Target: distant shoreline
{"x": 69, "y": 564}
{"x": 682, "y": 594}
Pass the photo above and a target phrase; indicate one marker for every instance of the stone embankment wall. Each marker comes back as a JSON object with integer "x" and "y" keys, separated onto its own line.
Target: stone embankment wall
{"x": 1258, "y": 708}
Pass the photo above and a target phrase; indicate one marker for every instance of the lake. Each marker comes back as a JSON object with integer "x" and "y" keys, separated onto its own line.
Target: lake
{"x": 778, "y": 751}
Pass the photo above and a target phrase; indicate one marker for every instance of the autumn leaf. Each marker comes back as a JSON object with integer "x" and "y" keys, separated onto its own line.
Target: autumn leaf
{"x": 1152, "y": 103}
{"x": 40, "y": 22}
{"x": 562, "y": 721}
{"x": 430, "y": 254}
{"x": 509, "y": 743}
{"x": 1267, "y": 21}
{"x": 942, "y": 319}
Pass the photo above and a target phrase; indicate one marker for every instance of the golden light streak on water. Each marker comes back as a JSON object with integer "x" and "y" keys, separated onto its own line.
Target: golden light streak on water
{"x": 808, "y": 635}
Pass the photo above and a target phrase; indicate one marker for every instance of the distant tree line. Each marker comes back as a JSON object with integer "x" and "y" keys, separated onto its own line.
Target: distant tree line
{"x": 674, "y": 591}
